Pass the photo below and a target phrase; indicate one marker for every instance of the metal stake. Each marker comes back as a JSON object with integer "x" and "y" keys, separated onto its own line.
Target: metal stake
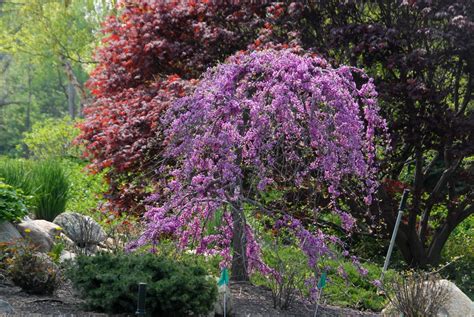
{"x": 225, "y": 300}
{"x": 401, "y": 208}
{"x": 317, "y": 302}
{"x": 141, "y": 299}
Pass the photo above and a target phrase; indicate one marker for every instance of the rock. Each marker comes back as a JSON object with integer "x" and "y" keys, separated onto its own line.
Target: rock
{"x": 5, "y": 308}
{"x": 83, "y": 230}
{"x": 41, "y": 233}
{"x": 68, "y": 243}
{"x": 109, "y": 243}
{"x": 67, "y": 256}
{"x": 458, "y": 304}
{"x": 219, "y": 304}
{"x": 8, "y": 232}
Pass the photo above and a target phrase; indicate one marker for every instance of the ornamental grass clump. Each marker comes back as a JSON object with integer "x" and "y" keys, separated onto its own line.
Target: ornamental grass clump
{"x": 17, "y": 173}
{"x": 51, "y": 189}
{"x": 262, "y": 122}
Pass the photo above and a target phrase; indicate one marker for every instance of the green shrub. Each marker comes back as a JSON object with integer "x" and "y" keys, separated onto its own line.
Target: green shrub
{"x": 51, "y": 182}
{"x": 34, "y": 272}
{"x": 46, "y": 181}
{"x": 12, "y": 203}
{"x": 51, "y": 189}
{"x": 458, "y": 253}
{"x": 52, "y": 138}
{"x": 86, "y": 191}
{"x": 109, "y": 283}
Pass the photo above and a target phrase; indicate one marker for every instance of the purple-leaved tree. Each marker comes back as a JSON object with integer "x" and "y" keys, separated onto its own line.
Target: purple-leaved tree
{"x": 264, "y": 121}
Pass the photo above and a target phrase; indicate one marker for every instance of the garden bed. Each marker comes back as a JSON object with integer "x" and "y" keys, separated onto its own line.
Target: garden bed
{"x": 249, "y": 300}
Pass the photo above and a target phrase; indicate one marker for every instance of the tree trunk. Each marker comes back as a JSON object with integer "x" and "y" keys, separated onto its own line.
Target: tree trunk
{"x": 71, "y": 100}
{"x": 27, "y": 127}
{"x": 80, "y": 91}
{"x": 239, "y": 245}
{"x": 239, "y": 239}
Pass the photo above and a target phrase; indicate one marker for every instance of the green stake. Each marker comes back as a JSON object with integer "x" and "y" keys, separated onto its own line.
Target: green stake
{"x": 224, "y": 280}
{"x": 321, "y": 284}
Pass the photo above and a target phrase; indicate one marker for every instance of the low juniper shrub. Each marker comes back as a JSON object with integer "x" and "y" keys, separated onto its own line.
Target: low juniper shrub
{"x": 109, "y": 283}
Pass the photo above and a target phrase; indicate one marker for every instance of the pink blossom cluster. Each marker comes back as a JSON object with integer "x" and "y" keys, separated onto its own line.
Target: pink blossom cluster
{"x": 256, "y": 122}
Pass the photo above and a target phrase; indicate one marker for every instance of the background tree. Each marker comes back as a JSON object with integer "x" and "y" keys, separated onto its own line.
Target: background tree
{"x": 420, "y": 55}
{"x": 45, "y": 49}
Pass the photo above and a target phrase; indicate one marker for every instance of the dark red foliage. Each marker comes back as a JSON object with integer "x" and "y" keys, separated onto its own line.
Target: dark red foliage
{"x": 151, "y": 39}
{"x": 120, "y": 128}
{"x": 152, "y": 53}
{"x": 420, "y": 54}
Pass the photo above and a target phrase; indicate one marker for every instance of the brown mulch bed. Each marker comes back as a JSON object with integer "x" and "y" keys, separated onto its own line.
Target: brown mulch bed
{"x": 64, "y": 302}
{"x": 248, "y": 301}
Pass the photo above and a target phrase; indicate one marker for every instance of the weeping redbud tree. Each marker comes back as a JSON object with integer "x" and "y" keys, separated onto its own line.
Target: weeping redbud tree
{"x": 265, "y": 121}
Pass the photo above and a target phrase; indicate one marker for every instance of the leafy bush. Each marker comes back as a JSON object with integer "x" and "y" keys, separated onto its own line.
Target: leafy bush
{"x": 52, "y": 138}
{"x": 34, "y": 272}
{"x": 109, "y": 283}
{"x": 86, "y": 190}
{"x": 12, "y": 203}
{"x": 459, "y": 254}
{"x": 51, "y": 189}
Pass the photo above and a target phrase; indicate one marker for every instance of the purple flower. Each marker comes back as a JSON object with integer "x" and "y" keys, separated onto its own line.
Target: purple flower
{"x": 258, "y": 121}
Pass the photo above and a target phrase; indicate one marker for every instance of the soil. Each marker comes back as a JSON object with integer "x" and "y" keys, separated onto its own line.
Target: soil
{"x": 248, "y": 301}
{"x": 254, "y": 301}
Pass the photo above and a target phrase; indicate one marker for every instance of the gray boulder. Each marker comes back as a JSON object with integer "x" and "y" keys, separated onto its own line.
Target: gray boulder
{"x": 40, "y": 233}
{"x": 6, "y": 308}
{"x": 459, "y": 304}
{"x": 67, "y": 256}
{"x": 8, "y": 232}
{"x": 83, "y": 230}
